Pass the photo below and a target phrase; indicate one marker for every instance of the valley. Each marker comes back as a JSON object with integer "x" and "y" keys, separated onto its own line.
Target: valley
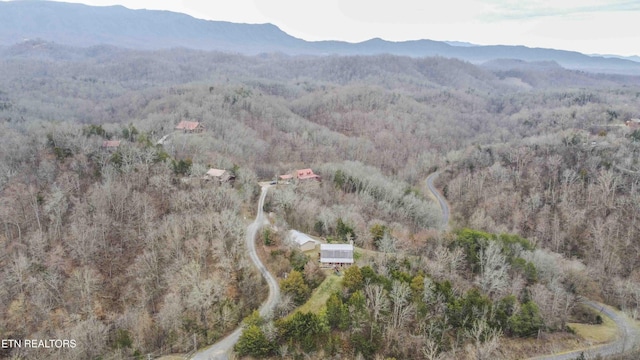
{"x": 134, "y": 246}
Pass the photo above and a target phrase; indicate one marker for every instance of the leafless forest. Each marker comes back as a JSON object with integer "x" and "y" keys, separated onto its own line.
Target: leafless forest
{"x": 130, "y": 252}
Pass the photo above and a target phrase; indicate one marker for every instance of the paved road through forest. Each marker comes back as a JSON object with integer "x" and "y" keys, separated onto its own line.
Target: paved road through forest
{"x": 222, "y": 349}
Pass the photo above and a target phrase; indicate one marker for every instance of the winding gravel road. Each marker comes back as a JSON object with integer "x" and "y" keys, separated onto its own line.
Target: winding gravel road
{"x": 628, "y": 333}
{"x": 443, "y": 203}
{"x": 222, "y": 349}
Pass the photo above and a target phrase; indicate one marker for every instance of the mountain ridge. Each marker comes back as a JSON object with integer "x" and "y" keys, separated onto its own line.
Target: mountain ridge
{"x": 84, "y": 25}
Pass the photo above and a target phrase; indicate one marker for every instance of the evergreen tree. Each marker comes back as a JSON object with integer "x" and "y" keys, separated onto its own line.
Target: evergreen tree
{"x": 294, "y": 284}
{"x": 254, "y": 342}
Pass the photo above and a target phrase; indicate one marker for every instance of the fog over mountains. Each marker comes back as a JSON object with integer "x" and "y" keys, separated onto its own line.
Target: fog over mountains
{"x": 82, "y": 25}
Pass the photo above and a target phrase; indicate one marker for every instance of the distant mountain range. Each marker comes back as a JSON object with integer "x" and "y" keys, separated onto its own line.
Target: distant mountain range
{"x": 632, "y": 58}
{"x": 82, "y": 25}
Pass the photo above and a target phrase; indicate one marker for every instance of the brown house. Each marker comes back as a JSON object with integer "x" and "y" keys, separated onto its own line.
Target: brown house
{"x": 110, "y": 144}
{"x": 220, "y": 175}
{"x": 190, "y": 126}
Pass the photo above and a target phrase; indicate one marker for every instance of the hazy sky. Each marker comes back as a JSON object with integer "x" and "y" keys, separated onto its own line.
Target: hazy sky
{"x": 589, "y": 26}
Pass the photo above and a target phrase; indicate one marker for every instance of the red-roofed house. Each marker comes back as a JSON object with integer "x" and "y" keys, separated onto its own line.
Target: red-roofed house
{"x": 190, "y": 126}
{"x": 306, "y": 174}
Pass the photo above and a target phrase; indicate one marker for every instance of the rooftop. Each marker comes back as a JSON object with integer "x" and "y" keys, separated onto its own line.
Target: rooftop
{"x": 306, "y": 174}
{"x": 111, "y": 143}
{"x": 336, "y": 247}
{"x": 216, "y": 172}
{"x": 299, "y": 238}
{"x": 187, "y": 125}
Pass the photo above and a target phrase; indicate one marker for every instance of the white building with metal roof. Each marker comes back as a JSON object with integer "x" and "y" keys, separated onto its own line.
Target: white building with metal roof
{"x": 336, "y": 254}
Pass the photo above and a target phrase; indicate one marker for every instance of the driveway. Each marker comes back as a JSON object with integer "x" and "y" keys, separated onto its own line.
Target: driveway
{"x": 223, "y": 348}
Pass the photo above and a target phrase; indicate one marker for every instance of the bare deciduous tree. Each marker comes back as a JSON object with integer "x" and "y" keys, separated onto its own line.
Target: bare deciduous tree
{"x": 494, "y": 270}
{"x": 431, "y": 350}
{"x": 485, "y": 340}
{"x": 377, "y": 300}
{"x": 402, "y": 310}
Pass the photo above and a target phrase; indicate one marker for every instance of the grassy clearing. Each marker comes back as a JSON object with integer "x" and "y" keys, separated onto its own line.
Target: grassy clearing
{"x": 320, "y": 296}
{"x": 596, "y": 334}
{"x": 514, "y": 348}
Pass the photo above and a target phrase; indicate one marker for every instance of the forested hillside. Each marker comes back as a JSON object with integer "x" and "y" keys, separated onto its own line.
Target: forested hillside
{"x": 129, "y": 251}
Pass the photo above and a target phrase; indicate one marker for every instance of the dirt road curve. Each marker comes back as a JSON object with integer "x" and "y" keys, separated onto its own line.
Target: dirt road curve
{"x": 222, "y": 349}
{"x": 628, "y": 333}
{"x": 627, "y": 337}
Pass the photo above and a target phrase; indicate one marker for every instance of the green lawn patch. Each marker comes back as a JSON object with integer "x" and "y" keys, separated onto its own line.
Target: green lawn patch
{"x": 602, "y": 333}
{"x": 320, "y": 295}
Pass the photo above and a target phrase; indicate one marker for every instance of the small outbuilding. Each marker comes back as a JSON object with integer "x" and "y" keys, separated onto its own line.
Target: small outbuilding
{"x": 301, "y": 241}
{"x": 285, "y": 179}
{"x": 336, "y": 254}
